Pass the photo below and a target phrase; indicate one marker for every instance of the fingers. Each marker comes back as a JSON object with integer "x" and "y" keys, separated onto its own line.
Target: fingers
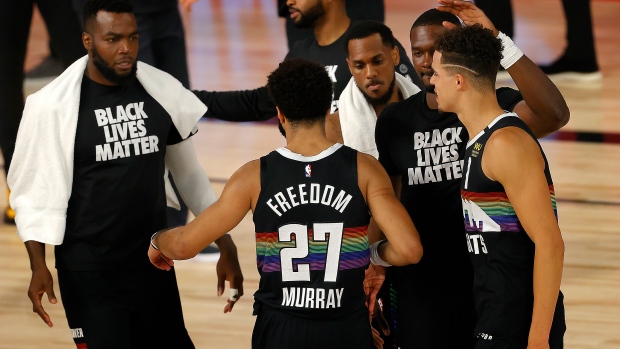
{"x": 221, "y": 278}
{"x": 229, "y": 307}
{"x": 376, "y": 338}
{"x": 49, "y": 289}
{"x": 37, "y": 307}
{"x": 448, "y": 25}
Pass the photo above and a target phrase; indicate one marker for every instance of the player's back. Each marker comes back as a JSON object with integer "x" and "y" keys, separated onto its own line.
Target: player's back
{"x": 311, "y": 224}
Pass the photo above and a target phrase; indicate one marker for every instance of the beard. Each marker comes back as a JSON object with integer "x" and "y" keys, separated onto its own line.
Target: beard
{"x": 109, "y": 73}
{"x": 307, "y": 19}
{"x": 380, "y": 100}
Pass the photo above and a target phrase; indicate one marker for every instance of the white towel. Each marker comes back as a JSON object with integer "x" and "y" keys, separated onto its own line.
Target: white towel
{"x": 41, "y": 173}
{"x": 358, "y": 118}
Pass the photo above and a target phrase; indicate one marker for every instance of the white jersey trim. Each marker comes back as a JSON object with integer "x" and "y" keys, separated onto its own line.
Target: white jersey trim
{"x": 298, "y": 157}
{"x": 473, "y": 140}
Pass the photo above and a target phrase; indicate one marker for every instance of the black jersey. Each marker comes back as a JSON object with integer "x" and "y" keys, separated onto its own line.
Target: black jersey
{"x": 501, "y": 252}
{"x": 426, "y": 149}
{"x": 334, "y": 58}
{"x": 311, "y": 224}
{"x": 117, "y": 196}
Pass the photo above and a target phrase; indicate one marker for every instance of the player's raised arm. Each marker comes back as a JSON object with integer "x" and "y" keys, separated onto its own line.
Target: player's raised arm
{"x": 543, "y": 107}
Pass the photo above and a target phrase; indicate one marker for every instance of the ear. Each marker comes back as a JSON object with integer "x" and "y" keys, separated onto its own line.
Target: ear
{"x": 349, "y": 64}
{"x": 87, "y": 41}
{"x": 459, "y": 81}
{"x": 395, "y": 55}
{"x": 280, "y": 116}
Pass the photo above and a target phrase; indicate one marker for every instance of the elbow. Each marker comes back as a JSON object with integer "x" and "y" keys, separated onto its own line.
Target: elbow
{"x": 563, "y": 116}
{"x": 183, "y": 249}
{"x": 416, "y": 255}
{"x": 411, "y": 253}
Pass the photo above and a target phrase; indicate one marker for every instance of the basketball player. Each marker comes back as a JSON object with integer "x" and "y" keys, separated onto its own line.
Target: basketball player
{"x": 371, "y": 55}
{"x": 423, "y": 150}
{"x": 88, "y": 176}
{"x": 508, "y": 199}
{"x": 311, "y": 203}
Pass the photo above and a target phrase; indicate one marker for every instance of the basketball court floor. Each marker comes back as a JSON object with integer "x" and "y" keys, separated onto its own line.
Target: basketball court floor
{"x": 234, "y": 44}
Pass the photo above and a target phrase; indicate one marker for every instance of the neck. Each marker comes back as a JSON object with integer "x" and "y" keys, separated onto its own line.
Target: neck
{"x": 307, "y": 141}
{"x": 332, "y": 25}
{"x": 478, "y": 110}
{"x": 431, "y": 100}
{"x": 397, "y": 96}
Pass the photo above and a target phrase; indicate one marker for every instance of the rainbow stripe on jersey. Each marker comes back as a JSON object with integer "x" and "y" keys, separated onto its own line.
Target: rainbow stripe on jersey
{"x": 496, "y": 207}
{"x": 354, "y": 252}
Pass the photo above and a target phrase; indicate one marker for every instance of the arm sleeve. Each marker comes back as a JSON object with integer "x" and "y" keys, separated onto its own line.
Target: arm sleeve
{"x": 508, "y": 98}
{"x": 406, "y": 69}
{"x": 382, "y": 139}
{"x": 190, "y": 179}
{"x": 247, "y": 105}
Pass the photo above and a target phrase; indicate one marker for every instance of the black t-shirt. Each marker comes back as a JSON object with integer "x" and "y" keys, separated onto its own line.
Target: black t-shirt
{"x": 501, "y": 251}
{"x": 334, "y": 58}
{"x": 426, "y": 148}
{"x": 311, "y": 223}
{"x": 117, "y": 198}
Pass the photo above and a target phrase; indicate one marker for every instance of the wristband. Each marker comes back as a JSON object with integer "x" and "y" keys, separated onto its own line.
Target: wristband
{"x": 374, "y": 255}
{"x": 152, "y": 243}
{"x": 510, "y": 52}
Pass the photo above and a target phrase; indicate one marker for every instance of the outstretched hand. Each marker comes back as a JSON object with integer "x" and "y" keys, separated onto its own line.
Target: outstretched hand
{"x": 40, "y": 283}
{"x": 228, "y": 269}
{"x": 469, "y": 13}
{"x": 383, "y": 325}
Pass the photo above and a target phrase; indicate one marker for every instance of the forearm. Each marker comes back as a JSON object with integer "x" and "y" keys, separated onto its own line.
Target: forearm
{"x": 36, "y": 253}
{"x": 173, "y": 244}
{"x": 548, "y": 265}
{"x": 541, "y": 95}
{"x": 248, "y": 105}
{"x": 393, "y": 255}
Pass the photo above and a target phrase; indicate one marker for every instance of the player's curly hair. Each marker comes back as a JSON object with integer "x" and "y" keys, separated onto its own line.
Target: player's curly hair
{"x": 92, "y": 7}
{"x": 474, "y": 48}
{"x": 302, "y": 90}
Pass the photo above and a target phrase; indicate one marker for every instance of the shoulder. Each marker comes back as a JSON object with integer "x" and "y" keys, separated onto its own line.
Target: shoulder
{"x": 367, "y": 164}
{"x": 511, "y": 142}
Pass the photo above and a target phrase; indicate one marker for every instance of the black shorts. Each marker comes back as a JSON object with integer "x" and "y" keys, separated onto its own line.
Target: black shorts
{"x": 123, "y": 309}
{"x": 274, "y": 329}
{"x": 435, "y": 322}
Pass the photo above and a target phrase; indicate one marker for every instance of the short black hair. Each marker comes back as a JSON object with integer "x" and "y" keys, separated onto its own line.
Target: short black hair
{"x": 301, "y": 89}
{"x": 435, "y": 17}
{"x": 474, "y": 48}
{"x": 364, "y": 29}
{"x": 92, "y": 7}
